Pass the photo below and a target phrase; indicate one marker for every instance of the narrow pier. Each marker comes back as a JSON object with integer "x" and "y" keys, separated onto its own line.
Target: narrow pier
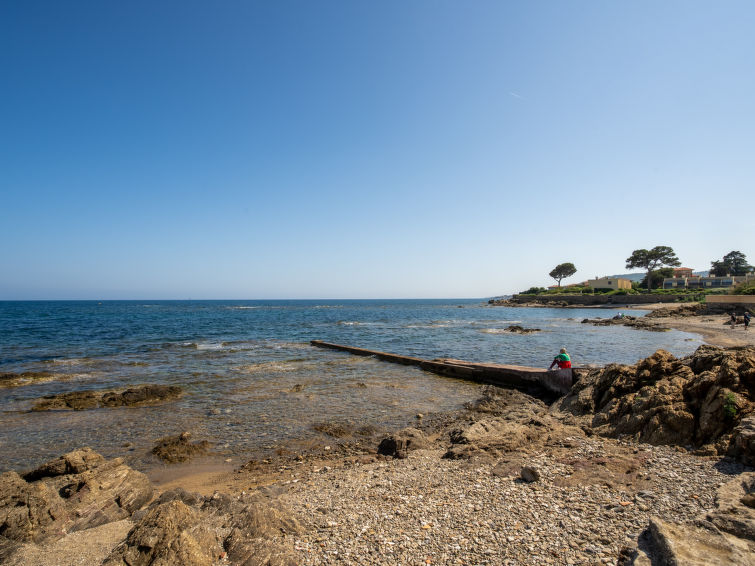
{"x": 533, "y": 380}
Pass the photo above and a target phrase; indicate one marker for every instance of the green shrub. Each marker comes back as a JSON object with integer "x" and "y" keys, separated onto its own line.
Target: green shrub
{"x": 746, "y": 288}
{"x": 730, "y": 405}
{"x": 534, "y": 291}
{"x": 714, "y": 291}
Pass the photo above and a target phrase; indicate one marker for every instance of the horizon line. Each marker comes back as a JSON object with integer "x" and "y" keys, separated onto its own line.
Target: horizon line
{"x": 277, "y": 299}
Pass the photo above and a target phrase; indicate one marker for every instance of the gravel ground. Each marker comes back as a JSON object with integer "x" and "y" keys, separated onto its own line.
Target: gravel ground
{"x": 429, "y": 510}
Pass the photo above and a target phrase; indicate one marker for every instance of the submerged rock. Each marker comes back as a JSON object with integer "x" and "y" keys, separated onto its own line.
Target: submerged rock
{"x": 134, "y": 397}
{"x": 10, "y": 379}
{"x": 179, "y": 448}
{"x": 516, "y": 329}
{"x": 144, "y": 395}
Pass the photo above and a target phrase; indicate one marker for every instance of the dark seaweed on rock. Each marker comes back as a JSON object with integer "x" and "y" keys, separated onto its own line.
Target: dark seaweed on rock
{"x": 135, "y": 397}
{"x": 173, "y": 449}
{"x": 10, "y": 379}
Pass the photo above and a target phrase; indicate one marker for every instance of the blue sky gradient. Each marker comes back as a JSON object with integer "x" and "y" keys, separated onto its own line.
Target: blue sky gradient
{"x": 367, "y": 150}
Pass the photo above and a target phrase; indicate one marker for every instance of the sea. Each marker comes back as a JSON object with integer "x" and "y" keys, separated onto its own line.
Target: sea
{"x": 252, "y": 382}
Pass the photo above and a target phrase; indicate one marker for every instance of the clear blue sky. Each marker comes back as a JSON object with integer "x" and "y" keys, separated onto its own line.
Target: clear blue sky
{"x": 358, "y": 149}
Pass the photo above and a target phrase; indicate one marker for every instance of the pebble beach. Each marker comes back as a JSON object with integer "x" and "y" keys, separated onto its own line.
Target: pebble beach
{"x": 429, "y": 510}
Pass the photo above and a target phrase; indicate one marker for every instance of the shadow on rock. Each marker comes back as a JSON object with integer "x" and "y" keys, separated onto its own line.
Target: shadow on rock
{"x": 704, "y": 400}
{"x": 185, "y": 528}
{"x": 75, "y": 492}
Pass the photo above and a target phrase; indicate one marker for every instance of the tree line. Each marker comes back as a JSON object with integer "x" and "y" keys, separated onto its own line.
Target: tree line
{"x": 661, "y": 260}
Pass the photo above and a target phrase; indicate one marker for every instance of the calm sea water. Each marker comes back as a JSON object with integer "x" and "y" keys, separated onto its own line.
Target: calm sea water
{"x": 253, "y": 383}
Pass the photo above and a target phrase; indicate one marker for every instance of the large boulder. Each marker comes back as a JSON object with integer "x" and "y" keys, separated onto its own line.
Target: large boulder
{"x": 186, "y": 528}
{"x": 698, "y": 400}
{"x": 170, "y": 533}
{"x": 399, "y": 444}
{"x": 77, "y": 491}
{"x": 502, "y": 421}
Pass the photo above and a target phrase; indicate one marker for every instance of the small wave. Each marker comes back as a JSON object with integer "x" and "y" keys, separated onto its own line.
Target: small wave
{"x": 264, "y": 367}
{"x": 209, "y": 346}
{"x": 242, "y": 308}
{"x": 195, "y": 345}
{"x": 494, "y": 331}
{"x": 291, "y": 346}
{"x": 71, "y": 361}
{"x": 33, "y": 378}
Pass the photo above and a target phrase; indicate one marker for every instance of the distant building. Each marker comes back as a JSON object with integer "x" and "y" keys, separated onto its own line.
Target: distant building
{"x": 682, "y": 272}
{"x": 609, "y": 283}
{"x": 698, "y": 282}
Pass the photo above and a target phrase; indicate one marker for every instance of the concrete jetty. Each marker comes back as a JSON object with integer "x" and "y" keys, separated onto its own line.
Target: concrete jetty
{"x": 535, "y": 380}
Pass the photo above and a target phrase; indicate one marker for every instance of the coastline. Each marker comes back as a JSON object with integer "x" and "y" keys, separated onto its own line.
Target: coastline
{"x": 591, "y": 503}
{"x": 714, "y": 328}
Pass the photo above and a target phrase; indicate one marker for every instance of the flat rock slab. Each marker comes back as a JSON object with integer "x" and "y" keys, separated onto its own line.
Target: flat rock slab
{"x": 692, "y": 545}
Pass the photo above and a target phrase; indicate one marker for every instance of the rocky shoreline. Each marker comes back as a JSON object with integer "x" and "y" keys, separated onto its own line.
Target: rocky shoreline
{"x": 638, "y": 464}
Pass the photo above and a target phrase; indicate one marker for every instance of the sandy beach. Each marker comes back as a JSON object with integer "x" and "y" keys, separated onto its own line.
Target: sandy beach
{"x": 715, "y": 329}
{"x": 460, "y": 493}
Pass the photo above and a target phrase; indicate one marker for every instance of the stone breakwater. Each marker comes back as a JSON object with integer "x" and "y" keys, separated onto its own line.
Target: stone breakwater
{"x": 641, "y": 464}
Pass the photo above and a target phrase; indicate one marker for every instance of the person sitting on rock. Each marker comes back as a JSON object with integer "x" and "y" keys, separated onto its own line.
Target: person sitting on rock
{"x": 562, "y": 359}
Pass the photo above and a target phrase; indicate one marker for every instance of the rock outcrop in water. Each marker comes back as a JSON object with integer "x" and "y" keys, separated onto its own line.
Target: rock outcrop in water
{"x": 704, "y": 400}
{"x": 133, "y": 397}
{"x": 179, "y": 448}
{"x": 75, "y": 492}
{"x": 627, "y": 320}
{"x": 517, "y": 329}
{"x": 11, "y": 379}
